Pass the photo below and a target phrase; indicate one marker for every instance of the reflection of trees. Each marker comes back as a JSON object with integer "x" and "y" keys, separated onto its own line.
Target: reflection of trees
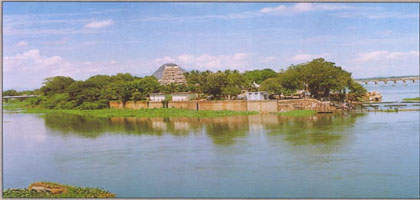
{"x": 225, "y": 130}
{"x": 222, "y": 130}
{"x": 326, "y": 129}
{"x": 94, "y": 127}
{"x": 315, "y": 130}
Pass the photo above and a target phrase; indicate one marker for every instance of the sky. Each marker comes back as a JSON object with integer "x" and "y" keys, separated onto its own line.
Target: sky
{"x": 82, "y": 39}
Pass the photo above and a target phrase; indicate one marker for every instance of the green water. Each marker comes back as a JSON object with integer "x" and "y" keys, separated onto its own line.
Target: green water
{"x": 367, "y": 155}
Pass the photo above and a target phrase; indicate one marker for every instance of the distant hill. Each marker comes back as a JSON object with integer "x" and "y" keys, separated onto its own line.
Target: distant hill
{"x": 158, "y": 73}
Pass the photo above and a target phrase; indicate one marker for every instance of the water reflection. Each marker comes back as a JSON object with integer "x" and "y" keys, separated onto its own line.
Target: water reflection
{"x": 318, "y": 129}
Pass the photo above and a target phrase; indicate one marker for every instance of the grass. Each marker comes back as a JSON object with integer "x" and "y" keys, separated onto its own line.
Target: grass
{"x": 107, "y": 113}
{"x": 298, "y": 113}
{"x": 56, "y": 190}
{"x": 412, "y": 99}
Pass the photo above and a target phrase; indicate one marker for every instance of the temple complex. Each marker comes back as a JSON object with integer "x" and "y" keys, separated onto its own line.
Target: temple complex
{"x": 170, "y": 73}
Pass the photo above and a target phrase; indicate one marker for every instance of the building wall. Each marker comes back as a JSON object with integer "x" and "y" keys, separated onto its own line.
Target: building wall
{"x": 155, "y": 105}
{"x": 116, "y": 104}
{"x": 267, "y": 106}
{"x": 157, "y": 98}
{"x": 298, "y": 104}
{"x": 190, "y": 105}
{"x": 256, "y": 96}
{"x": 236, "y": 105}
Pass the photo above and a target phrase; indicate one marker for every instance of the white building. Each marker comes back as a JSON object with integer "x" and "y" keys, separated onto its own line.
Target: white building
{"x": 157, "y": 97}
{"x": 257, "y": 96}
{"x": 183, "y": 96}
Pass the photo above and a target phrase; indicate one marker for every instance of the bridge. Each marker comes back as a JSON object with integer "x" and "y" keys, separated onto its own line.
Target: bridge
{"x": 403, "y": 79}
{"x": 22, "y": 97}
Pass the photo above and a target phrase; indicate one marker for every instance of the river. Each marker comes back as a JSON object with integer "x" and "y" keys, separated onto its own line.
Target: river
{"x": 348, "y": 155}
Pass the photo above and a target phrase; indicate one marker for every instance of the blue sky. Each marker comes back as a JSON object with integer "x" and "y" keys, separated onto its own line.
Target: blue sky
{"x": 81, "y": 39}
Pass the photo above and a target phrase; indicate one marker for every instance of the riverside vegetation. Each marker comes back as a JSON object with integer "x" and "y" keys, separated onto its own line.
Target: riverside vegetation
{"x": 321, "y": 78}
{"x": 24, "y": 107}
{"x": 412, "y": 99}
{"x": 55, "y": 190}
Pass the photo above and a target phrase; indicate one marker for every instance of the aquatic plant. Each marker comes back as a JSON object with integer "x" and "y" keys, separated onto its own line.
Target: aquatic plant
{"x": 154, "y": 112}
{"x": 298, "y": 113}
{"x": 412, "y": 99}
{"x": 55, "y": 190}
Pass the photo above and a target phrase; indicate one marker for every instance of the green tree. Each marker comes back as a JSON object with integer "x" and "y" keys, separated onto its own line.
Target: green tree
{"x": 10, "y": 93}
{"x": 57, "y": 84}
{"x": 258, "y": 76}
{"x": 320, "y": 77}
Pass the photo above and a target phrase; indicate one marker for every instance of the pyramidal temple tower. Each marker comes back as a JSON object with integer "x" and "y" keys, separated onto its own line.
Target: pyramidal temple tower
{"x": 170, "y": 73}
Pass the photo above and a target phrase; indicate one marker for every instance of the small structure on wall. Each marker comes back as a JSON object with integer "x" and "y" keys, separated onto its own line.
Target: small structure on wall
{"x": 257, "y": 96}
{"x": 157, "y": 97}
{"x": 183, "y": 96}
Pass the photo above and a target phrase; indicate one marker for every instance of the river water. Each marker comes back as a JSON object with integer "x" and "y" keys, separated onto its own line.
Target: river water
{"x": 357, "y": 155}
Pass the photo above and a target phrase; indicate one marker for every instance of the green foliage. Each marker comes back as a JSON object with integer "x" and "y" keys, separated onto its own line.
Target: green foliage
{"x": 93, "y": 105}
{"x": 357, "y": 91}
{"x": 71, "y": 192}
{"x": 319, "y": 77}
{"x": 258, "y": 76}
{"x": 10, "y": 93}
{"x": 412, "y": 99}
{"x": 272, "y": 85}
{"x": 57, "y": 84}
{"x": 155, "y": 112}
{"x": 298, "y": 113}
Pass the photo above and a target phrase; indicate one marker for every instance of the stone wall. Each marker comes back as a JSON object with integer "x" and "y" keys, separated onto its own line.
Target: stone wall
{"x": 190, "y": 105}
{"x": 135, "y": 105}
{"x": 298, "y": 104}
{"x": 267, "y": 106}
{"x": 155, "y": 105}
{"x": 116, "y": 104}
{"x": 236, "y": 105}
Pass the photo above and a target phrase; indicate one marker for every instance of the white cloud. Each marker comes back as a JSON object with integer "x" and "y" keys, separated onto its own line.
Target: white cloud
{"x": 32, "y": 67}
{"x": 99, "y": 24}
{"x": 31, "y": 60}
{"x": 210, "y": 62}
{"x": 384, "y": 55}
{"x": 267, "y": 59}
{"x": 301, "y": 8}
{"x": 21, "y": 44}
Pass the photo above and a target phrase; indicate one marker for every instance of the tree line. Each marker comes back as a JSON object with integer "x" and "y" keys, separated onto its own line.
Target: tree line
{"x": 320, "y": 78}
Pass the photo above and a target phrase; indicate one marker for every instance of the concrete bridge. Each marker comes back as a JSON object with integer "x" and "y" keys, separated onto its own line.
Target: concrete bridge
{"x": 6, "y": 98}
{"x": 390, "y": 79}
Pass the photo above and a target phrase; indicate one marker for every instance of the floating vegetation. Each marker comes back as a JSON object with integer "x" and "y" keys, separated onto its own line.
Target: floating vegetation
{"x": 153, "y": 112}
{"x": 55, "y": 190}
{"x": 298, "y": 113}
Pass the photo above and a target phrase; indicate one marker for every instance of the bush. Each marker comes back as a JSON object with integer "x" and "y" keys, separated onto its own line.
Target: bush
{"x": 54, "y": 101}
{"x": 94, "y": 105}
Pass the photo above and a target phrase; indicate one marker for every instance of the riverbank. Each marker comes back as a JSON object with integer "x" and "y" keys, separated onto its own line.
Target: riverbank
{"x": 107, "y": 113}
{"x": 55, "y": 190}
